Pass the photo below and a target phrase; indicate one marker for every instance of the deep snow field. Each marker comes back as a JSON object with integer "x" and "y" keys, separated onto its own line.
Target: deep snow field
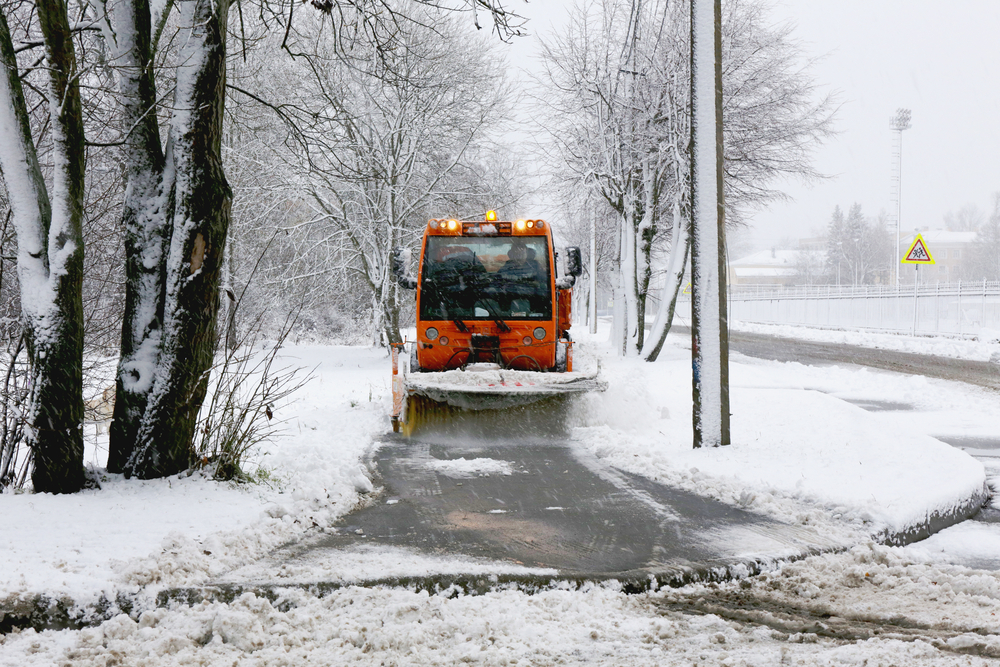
{"x": 802, "y": 453}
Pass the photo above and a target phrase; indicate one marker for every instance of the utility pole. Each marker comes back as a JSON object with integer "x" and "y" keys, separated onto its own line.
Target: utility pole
{"x": 898, "y": 123}
{"x": 709, "y": 320}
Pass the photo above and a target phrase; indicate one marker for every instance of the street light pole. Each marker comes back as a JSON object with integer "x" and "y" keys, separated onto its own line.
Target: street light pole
{"x": 898, "y": 123}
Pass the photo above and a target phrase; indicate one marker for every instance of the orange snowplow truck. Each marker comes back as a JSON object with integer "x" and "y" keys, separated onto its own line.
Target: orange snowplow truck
{"x": 487, "y": 292}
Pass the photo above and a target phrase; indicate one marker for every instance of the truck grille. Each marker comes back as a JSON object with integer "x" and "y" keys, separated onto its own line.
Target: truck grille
{"x": 485, "y": 348}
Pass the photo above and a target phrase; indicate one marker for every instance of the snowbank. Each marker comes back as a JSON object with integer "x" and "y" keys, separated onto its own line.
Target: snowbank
{"x": 186, "y": 529}
{"x": 877, "y": 471}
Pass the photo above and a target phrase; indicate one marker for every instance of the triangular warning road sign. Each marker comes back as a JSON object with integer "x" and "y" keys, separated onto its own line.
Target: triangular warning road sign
{"x": 918, "y": 253}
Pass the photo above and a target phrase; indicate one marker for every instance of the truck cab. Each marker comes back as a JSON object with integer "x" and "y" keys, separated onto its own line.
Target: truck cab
{"x": 487, "y": 292}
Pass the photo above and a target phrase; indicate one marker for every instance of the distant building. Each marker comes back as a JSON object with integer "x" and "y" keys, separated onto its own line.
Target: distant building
{"x": 767, "y": 267}
{"x": 949, "y": 250}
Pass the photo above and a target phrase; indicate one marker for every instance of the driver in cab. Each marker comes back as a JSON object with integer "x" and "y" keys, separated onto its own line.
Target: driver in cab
{"x": 520, "y": 266}
{"x": 519, "y": 278}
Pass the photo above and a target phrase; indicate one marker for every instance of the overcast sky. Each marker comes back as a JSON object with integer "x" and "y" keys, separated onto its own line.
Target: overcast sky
{"x": 939, "y": 59}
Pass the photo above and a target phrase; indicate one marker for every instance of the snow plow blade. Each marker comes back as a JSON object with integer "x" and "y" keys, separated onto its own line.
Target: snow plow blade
{"x": 513, "y": 390}
{"x": 484, "y": 400}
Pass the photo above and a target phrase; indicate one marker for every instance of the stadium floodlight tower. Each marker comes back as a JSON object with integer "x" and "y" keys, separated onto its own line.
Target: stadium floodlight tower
{"x": 899, "y": 122}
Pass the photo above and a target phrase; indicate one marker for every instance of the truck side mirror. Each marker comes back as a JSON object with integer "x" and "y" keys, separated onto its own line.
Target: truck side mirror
{"x": 574, "y": 264}
{"x": 574, "y": 267}
{"x": 400, "y": 264}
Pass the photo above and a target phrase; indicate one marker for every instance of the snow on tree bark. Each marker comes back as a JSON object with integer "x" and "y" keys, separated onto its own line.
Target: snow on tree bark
{"x": 709, "y": 348}
{"x": 50, "y": 251}
{"x": 627, "y": 278}
{"x": 680, "y": 242}
{"x": 679, "y": 251}
{"x": 200, "y": 222}
{"x": 146, "y": 212}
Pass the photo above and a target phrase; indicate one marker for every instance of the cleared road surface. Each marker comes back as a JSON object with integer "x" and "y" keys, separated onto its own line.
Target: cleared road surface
{"x": 982, "y": 373}
{"x": 540, "y": 504}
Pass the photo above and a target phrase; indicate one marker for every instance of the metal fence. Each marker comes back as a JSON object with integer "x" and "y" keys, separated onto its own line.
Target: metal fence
{"x": 962, "y": 308}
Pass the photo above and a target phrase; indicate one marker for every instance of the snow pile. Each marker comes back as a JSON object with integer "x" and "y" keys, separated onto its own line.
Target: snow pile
{"x": 975, "y": 543}
{"x": 462, "y": 467}
{"x": 493, "y": 378}
{"x": 855, "y": 592}
{"x": 77, "y": 545}
{"x": 184, "y": 530}
{"x": 790, "y": 443}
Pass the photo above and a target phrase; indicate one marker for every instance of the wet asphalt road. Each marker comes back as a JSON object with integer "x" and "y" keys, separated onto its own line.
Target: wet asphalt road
{"x": 982, "y": 373}
{"x": 553, "y": 510}
{"x": 513, "y": 503}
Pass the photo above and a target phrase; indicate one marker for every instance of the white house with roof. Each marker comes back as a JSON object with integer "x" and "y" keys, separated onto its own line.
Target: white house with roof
{"x": 767, "y": 267}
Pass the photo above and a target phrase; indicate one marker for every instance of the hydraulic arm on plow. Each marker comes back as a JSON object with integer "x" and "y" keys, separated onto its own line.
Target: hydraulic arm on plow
{"x": 493, "y": 325}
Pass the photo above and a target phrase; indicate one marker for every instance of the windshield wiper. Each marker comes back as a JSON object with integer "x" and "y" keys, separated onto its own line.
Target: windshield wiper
{"x": 496, "y": 318}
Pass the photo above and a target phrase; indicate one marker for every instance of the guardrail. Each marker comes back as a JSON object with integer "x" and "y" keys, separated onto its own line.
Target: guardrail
{"x": 962, "y": 308}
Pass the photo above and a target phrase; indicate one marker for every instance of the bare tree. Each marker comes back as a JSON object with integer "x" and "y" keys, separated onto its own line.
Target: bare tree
{"x": 621, "y": 119}
{"x": 966, "y": 219}
{"x": 49, "y": 224}
{"x": 388, "y": 134}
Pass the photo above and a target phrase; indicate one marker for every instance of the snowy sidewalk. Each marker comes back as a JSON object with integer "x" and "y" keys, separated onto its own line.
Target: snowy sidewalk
{"x": 800, "y": 455}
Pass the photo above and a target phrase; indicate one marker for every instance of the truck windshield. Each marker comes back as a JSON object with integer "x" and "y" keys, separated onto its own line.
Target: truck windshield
{"x": 486, "y": 278}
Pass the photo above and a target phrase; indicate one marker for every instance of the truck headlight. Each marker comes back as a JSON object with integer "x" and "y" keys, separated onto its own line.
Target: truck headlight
{"x": 539, "y": 333}
{"x": 431, "y": 333}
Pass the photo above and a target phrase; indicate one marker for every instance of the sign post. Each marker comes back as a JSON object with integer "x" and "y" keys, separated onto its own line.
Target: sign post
{"x": 918, "y": 254}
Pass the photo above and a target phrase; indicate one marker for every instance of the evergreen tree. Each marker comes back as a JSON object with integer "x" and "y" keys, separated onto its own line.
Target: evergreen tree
{"x": 857, "y": 248}
{"x": 834, "y": 245}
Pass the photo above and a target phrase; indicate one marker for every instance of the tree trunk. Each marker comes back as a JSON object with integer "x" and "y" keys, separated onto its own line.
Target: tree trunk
{"x": 202, "y": 202}
{"x": 390, "y": 316}
{"x": 644, "y": 239}
{"x": 627, "y": 282}
{"x": 145, "y": 218}
{"x": 50, "y": 252}
{"x": 680, "y": 248}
